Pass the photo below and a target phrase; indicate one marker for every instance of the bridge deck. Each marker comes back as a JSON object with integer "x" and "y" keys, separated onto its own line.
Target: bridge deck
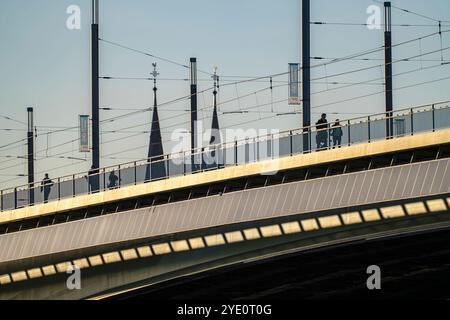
{"x": 406, "y": 182}
{"x": 292, "y": 162}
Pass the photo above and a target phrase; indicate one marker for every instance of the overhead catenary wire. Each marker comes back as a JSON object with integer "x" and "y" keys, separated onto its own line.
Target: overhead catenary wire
{"x": 400, "y": 88}
{"x": 331, "y": 23}
{"x": 376, "y": 66}
{"x": 380, "y": 92}
{"x": 103, "y": 121}
{"x": 381, "y": 78}
{"x": 12, "y": 143}
{"x": 13, "y": 120}
{"x": 358, "y": 54}
{"x": 222, "y": 103}
{"x": 134, "y": 135}
{"x": 150, "y": 55}
{"x": 413, "y": 12}
{"x": 379, "y": 59}
{"x": 257, "y": 106}
{"x": 333, "y": 61}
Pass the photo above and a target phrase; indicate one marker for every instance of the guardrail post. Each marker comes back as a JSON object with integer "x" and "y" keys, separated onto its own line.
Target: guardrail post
{"x": 59, "y": 188}
{"x": 1, "y": 200}
{"x": 135, "y": 173}
{"x": 104, "y": 180}
{"x": 257, "y": 142}
{"x": 329, "y": 142}
{"x": 349, "y": 133}
{"x": 272, "y": 151}
{"x": 235, "y": 153}
{"x": 15, "y": 198}
{"x": 291, "y": 143}
{"x": 73, "y": 186}
{"x": 412, "y": 121}
{"x": 433, "y": 117}
{"x": 246, "y": 151}
{"x": 120, "y": 176}
{"x": 368, "y": 129}
{"x": 255, "y": 158}
{"x": 310, "y": 139}
{"x": 168, "y": 166}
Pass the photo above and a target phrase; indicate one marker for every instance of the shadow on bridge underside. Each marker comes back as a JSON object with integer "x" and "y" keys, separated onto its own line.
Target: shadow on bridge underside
{"x": 143, "y": 247}
{"x": 254, "y": 206}
{"x": 290, "y": 162}
{"x": 151, "y": 263}
{"x": 414, "y": 266}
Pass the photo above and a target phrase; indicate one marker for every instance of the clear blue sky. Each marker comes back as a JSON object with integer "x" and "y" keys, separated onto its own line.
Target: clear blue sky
{"x": 46, "y": 66}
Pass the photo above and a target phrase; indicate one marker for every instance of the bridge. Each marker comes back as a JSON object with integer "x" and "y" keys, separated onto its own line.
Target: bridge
{"x": 258, "y": 198}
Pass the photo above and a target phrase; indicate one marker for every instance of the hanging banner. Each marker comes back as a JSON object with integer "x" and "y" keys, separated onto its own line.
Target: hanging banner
{"x": 294, "y": 87}
{"x": 84, "y": 133}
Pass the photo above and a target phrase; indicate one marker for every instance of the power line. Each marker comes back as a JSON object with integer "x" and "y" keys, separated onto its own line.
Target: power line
{"x": 103, "y": 121}
{"x": 222, "y": 103}
{"x": 367, "y": 24}
{"x": 381, "y": 59}
{"x": 362, "y": 53}
{"x": 380, "y": 65}
{"x": 380, "y": 92}
{"x": 382, "y": 78}
{"x": 138, "y": 78}
{"x": 13, "y": 143}
{"x": 171, "y": 79}
{"x": 414, "y": 13}
{"x": 13, "y": 120}
{"x": 150, "y": 55}
{"x": 45, "y": 171}
{"x": 254, "y": 79}
{"x": 247, "y": 110}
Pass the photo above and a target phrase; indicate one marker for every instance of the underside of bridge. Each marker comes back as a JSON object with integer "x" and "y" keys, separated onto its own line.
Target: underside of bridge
{"x": 307, "y": 216}
{"x": 413, "y": 266}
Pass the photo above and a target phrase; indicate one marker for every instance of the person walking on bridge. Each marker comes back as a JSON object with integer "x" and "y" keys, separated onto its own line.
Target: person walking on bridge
{"x": 113, "y": 180}
{"x": 46, "y": 187}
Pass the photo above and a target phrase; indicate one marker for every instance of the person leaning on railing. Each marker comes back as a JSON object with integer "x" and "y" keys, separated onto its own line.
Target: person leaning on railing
{"x": 322, "y": 132}
{"x": 336, "y": 134}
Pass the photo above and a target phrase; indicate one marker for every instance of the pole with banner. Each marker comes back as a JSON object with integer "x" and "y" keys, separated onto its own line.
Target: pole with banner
{"x": 294, "y": 87}
{"x": 84, "y": 133}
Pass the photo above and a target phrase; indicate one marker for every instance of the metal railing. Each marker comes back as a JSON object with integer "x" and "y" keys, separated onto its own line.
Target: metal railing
{"x": 349, "y": 132}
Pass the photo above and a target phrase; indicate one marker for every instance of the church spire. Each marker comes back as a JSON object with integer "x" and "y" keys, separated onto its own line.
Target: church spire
{"x": 155, "y": 149}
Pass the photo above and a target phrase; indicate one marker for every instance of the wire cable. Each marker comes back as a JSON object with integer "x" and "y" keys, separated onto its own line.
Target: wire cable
{"x": 151, "y": 55}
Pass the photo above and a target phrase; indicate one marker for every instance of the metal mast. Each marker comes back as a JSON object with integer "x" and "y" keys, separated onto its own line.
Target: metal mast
{"x": 306, "y": 55}
{"x": 30, "y": 137}
{"x": 193, "y": 109}
{"x": 95, "y": 87}
{"x": 388, "y": 68}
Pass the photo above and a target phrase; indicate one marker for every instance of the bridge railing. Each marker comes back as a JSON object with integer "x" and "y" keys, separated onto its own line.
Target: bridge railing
{"x": 334, "y": 135}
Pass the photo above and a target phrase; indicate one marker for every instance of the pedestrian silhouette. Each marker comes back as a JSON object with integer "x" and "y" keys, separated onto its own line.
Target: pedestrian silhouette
{"x": 337, "y": 134}
{"x": 46, "y": 187}
{"x": 322, "y": 132}
{"x": 113, "y": 179}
